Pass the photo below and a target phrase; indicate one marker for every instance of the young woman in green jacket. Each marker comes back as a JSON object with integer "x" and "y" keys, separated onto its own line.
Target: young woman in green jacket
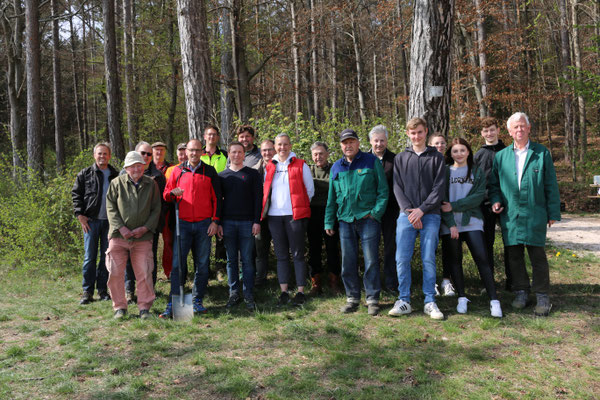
{"x": 463, "y": 221}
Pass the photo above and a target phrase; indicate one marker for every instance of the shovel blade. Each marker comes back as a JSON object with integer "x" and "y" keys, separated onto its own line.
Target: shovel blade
{"x": 185, "y": 311}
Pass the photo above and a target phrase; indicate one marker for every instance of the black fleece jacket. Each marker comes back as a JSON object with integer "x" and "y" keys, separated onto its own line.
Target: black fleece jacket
{"x": 484, "y": 159}
{"x": 420, "y": 180}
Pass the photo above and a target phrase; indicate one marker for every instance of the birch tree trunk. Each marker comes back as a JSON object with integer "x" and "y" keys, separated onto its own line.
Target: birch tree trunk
{"x": 333, "y": 73}
{"x": 195, "y": 62}
{"x": 567, "y": 100}
{"x": 430, "y": 57}
{"x": 314, "y": 83}
{"x": 227, "y": 78}
{"x": 130, "y": 90}
{"x": 82, "y": 143}
{"x": 174, "y": 82}
{"x": 375, "y": 95}
{"x": 296, "y": 60}
{"x": 113, "y": 91}
{"x": 359, "y": 73}
{"x": 32, "y": 67}
{"x": 483, "y": 73}
{"x": 578, "y": 66}
{"x": 59, "y": 141}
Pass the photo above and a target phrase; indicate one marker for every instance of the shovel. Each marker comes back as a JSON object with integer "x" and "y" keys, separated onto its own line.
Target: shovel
{"x": 182, "y": 303}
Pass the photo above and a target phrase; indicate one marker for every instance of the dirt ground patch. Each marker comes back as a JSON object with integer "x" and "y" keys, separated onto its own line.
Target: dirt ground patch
{"x": 577, "y": 233}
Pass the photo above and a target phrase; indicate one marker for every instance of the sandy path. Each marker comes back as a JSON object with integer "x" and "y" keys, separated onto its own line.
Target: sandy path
{"x": 577, "y": 233}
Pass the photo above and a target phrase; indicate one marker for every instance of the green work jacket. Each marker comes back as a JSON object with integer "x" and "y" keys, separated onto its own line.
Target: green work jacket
{"x": 526, "y": 210}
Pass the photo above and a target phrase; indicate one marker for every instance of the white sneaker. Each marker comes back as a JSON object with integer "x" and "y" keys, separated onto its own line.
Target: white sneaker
{"x": 433, "y": 311}
{"x": 495, "y": 308}
{"x": 462, "y": 305}
{"x": 448, "y": 288}
{"x": 401, "y": 307}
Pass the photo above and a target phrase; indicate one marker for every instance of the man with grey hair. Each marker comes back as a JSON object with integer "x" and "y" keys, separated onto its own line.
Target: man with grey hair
{"x": 378, "y": 137}
{"x": 523, "y": 189}
{"x": 89, "y": 203}
{"x": 316, "y": 225}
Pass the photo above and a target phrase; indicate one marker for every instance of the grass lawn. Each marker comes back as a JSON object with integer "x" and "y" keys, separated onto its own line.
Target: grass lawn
{"x": 50, "y": 347}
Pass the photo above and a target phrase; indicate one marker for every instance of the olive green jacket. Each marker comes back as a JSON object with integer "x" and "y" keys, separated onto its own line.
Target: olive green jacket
{"x": 132, "y": 207}
{"x": 526, "y": 210}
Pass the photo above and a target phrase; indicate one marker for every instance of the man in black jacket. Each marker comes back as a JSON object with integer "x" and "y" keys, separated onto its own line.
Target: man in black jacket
{"x": 484, "y": 159}
{"x": 378, "y": 137}
{"x": 89, "y": 203}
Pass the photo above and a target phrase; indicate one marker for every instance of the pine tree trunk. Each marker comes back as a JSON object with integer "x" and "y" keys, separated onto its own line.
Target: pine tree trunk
{"x": 32, "y": 68}
{"x": 195, "y": 62}
{"x": 296, "y": 60}
{"x": 59, "y": 141}
{"x": 130, "y": 90}
{"x": 333, "y": 73}
{"x": 314, "y": 79}
{"x": 430, "y": 63}
{"x": 227, "y": 78}
{"x": 174, "y": 84}
{"x": 113, "y": 91}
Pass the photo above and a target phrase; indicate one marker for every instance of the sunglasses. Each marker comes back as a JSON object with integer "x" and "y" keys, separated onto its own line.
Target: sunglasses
{"x": 145, "y": 153}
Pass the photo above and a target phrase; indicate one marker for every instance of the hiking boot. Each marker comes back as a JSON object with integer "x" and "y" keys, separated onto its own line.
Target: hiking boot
{"x": 316, "y": 290}
{"x": 448, "y": 288}
{"x": 86, "y": 298}
{"x": 433, "y": 311}
{"x": 349, "y": 307}
{"x": 144, "y": 314}
{"x": 520, "y": 301}
{"x": 120, "y": 314}
{"x": 168, "y": 314}
{"x": 495, "y": 308}
{"x": 130, "y": 296}
{"x": 299, "y": 299}
{"x": 401, "y": 307}
{"x": 198, "y": 307}
{"x": 372, "y": 309}
{"x": 284, "y": 299}
{"x": 104, "y": 296}
{"x": 462, "y": 305}
{"x": 234, "y": 300}
{"x": 543, "y": 306}
{"x": 250, "y": 305}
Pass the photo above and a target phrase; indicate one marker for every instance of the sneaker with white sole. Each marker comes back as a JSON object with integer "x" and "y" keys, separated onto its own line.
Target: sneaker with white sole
{"x": 433, "y": 311}
{"x": 495, "y": 308}
{"x": 462, "y": 305}
{"x": 448, "y": 289}
{"x": 401, "y": 307}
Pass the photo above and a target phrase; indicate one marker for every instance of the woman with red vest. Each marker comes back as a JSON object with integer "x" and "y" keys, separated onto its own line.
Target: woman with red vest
{"x": 286, "y": 202}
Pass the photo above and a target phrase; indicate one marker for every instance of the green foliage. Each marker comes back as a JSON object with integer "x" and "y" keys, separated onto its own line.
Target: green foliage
{"x": 37, "y": 226}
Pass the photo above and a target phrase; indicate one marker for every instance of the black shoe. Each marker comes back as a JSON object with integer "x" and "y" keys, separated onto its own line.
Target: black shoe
{"x": 86, "y": 298}
{"x": 349, "y": 307}
{"x": 250, "y": 305}
{"x": 144, "y": 314}
{"x": 284, "y": 299}
{"x": 373, "y": 309}
{"x": 104, "y": 296}
{"x": 299, "y": 299}
{"x": 234, "y": 300}
{"x": 120, "y": 314}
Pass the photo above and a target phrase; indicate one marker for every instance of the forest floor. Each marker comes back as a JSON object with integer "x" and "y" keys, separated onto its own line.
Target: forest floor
{"x": 577, "y": 232}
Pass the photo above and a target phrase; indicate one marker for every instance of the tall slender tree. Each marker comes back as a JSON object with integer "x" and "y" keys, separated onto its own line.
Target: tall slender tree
{"x": 59, "y": 142}
{"x": 35, "y": 161}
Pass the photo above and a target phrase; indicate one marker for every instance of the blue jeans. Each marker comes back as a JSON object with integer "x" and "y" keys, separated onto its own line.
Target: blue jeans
{"x": 192, "y": 236}
{"x": 368, "y": 231}
{"x": 405, "y": 246}
{"x": 92, "y": 276}
{"x": 237, "y": 236}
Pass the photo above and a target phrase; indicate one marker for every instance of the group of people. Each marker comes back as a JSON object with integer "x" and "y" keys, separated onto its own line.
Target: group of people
{"x": 249, "y": 196}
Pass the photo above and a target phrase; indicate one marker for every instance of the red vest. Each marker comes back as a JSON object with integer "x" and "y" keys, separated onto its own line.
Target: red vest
{"x": 298, "y": 194}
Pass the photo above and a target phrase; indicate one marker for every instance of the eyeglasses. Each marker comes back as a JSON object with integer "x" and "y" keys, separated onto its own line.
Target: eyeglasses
{"x": 145, "y": 153}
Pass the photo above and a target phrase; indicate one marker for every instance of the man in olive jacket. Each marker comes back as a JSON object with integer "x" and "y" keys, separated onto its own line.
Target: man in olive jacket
{"x": 358, "y": 196}
{"x": 133, "y": 207}
{"x": 524, "y": 191}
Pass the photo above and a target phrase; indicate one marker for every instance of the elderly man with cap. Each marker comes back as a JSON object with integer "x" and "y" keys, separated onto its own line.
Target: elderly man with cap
{"x": 133, "y": 209}
{"x": 358, "y": 196}
{"x": 159, "y": 150}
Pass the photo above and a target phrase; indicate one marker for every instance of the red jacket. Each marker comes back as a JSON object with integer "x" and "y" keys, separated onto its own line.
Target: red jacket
{"x": 298, "y": 194}
{"x": 201, "y": 192}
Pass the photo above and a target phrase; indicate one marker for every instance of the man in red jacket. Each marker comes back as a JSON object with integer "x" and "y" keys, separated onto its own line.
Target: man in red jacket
{"x": 196, "y": 186}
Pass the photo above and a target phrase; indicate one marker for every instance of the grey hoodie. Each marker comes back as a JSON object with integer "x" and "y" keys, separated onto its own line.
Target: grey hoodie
{"x": 420, "y": 180}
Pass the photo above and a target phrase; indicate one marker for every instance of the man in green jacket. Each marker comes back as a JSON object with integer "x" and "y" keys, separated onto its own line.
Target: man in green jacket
{"x": 358, "y": 196}
{"x": 133, "y": 209}
{"x": 523, "y": 190}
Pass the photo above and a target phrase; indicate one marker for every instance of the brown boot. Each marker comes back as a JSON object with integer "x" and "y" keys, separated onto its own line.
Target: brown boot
{"x": 334, "y": 283}
{"x": 316, "y": 285}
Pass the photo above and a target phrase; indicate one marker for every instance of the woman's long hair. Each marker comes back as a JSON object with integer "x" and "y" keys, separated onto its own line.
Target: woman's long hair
{"x": 450, "y": 160}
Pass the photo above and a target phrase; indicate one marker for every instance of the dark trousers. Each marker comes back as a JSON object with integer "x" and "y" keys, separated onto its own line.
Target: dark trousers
{"x": 388, "y": 228}
{"x": 288, "y": 237}
{"x": 539, "y": 267}
{"x": 316, "y": 236}
{"x": 490, "y": 220}
{"x": 452, "y": 254}
{"x": 130, "y": 275}
{"x": 262, "y": 243}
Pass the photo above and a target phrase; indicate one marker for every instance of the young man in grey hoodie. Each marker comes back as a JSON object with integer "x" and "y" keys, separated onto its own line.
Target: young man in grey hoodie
{"x": 419, "y": 187}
